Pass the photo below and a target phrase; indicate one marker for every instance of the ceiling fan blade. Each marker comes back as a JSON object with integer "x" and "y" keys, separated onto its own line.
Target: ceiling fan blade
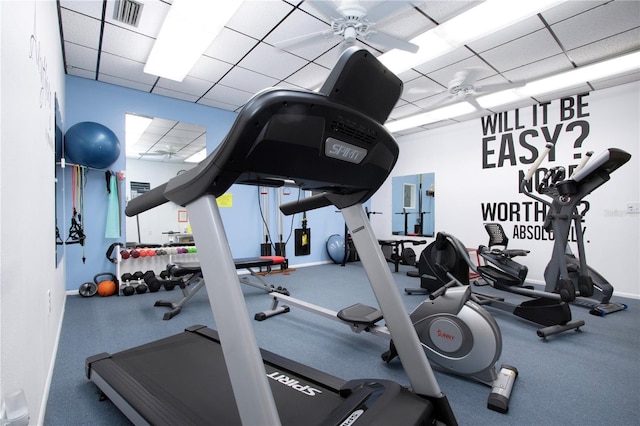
{"x": 307, "y": 38}
{"x": 390, "y": 42}
{"x": 327, "y": 8}
{"x": 490, "y": 88}
{"x": 472, "y": 101}
{"x": 386, "y": 10}
{"x": 442, "y": 99}
{"x": 467, "y": 76}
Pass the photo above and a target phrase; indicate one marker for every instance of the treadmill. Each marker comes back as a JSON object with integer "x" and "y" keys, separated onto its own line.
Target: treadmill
{"x": 333, "y": 143}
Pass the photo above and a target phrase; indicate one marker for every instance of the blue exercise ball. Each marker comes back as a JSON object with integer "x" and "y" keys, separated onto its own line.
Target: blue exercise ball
{"x": 335, "y": 248}
{"x": 91, "y": 144}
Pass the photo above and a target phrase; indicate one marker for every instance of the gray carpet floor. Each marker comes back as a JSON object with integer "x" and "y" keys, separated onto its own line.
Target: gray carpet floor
{"x": 591, "y": 377}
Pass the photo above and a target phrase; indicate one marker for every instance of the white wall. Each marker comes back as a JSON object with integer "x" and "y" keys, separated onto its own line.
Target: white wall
{"x": 32, "y": 290}
{"x": 455, "y": 154}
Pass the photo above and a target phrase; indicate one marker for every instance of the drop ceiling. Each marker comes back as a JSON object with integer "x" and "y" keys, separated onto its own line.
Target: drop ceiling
{"x": 243, "y": 59}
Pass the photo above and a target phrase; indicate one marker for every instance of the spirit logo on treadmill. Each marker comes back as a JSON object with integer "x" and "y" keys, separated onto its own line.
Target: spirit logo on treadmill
{"x": 335, "y": 148}
{"x": 293, "y": 384}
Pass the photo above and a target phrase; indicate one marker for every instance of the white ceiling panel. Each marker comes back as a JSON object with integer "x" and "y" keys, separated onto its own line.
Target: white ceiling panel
{"x": 256, "y": 18}
{"x": 613, "y": 18}
{"x": 310, "y": 77}
{"x": 122, "y": 42}
{"x": 81, "y": 57}
{"x": 249, "y": 81}
{"x": 81, "y": 29}
{"x": 230, "y": 46}
{"x": 608, "y": 47}
{"x": 175, "y": 94}
{"x": 85, "y": 7}
{"x": 231, "y": 96}
{"x": 506, "y": 35}
{"x": 192, "y": 85}
{"x": 539, "y": 69}
{"x": 210, "y": 69}
{"x": 118, "y": 66}
{"x": 272, "y": 62}
{"x": 441, "y": 11}
{"x": 569, "y": 9}
{"x": 242, "y": 60}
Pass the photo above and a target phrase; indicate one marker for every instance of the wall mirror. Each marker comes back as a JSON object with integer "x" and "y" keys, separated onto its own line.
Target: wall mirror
{"x": 413, "y": 205}
{"x": 158, "y": 149}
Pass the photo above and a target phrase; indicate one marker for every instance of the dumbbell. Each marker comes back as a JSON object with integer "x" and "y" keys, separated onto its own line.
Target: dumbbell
{"x": 128, "y": 289}
{"x": 152, "y": 281}
{"x": 141, "y": 287}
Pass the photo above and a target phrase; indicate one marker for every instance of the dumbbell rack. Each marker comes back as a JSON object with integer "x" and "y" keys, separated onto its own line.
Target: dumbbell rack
{"x": 155, "y": 262}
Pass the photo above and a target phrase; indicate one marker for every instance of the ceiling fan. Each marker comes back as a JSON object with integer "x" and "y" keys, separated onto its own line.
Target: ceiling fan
{"x": 350, "y": 20}
{"x": 463, "y": 87}
{"x": 166, "y": 153}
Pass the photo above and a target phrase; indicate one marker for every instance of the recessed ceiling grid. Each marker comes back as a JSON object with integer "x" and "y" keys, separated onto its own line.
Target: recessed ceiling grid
{"x": 244, "y": 59}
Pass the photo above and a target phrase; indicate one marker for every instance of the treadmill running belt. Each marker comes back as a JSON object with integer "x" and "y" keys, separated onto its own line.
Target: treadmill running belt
{"x": 196, "y": 384}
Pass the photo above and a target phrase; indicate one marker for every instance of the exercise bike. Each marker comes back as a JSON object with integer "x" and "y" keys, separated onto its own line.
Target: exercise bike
{"x": 566, "y": 274}
{"x": 447, "y": 258}
{"x": 457, "y": 334}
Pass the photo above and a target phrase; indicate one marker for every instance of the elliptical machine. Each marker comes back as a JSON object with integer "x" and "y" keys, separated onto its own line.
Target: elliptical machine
{"x": 446, "y": 260}
{"x": 566, "y": 274}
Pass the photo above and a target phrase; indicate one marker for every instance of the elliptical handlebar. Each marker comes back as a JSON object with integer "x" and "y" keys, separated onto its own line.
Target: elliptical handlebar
{"x": 582, "y": 163}
{"x": 539, "y": 160}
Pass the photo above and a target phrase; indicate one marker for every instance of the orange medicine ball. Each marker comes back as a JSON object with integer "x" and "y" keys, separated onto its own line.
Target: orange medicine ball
{"x": 106, "y": 288}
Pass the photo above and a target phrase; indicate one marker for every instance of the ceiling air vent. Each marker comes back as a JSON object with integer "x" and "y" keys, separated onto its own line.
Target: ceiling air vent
{"x": 128, "y": 12}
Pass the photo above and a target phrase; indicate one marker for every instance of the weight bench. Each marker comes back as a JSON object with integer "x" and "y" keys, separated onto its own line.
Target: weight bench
{"x": 191, "y": 279}
{"x": 396, "y": 253}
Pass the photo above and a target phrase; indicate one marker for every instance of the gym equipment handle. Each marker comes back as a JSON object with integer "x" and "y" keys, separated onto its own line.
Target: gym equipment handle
{"x": 538, "y": 161}
{"x": 146, "y": 201}
{"x": 309, "y": 203}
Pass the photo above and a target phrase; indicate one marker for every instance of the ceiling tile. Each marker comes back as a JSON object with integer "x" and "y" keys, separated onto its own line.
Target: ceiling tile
{"x": 300, "y": 24}
{"x": 539, "y": 69}
{"x": 272, "y": 62}
{"x": 524, "y": 50}
{"x": 421, "y": 88}
{"x": 441, "y": 11}
{"x": 175, "y": 94}
{"x": 257, "y": 18}
{"x": 446, "y": 74}
{"x": 513, "y": 32}
{"x": 189, "y": 85}
{"x": 125, "y": 83}
{"x": 310, "y": 77}
{"x": 80, "y": 29}
{"x": 209, "y": 69}
{"x": 249, "y": 81}
{"x": 122, "y": 42}
{"x": 218, "y": 104}
{"x": 80, "y": 57}
{"x": 444, "y": 61}
{"x": 604, "y": 21}
{"x": 568, "y": 9}
{"x": 606, "y": 48}
{"x": 228, "y": 95}
{"x": 118, "y": 66}
{"x": 404, "y": 111}
{"x": 230, "y": 46}
{"x": 85, "y": 7}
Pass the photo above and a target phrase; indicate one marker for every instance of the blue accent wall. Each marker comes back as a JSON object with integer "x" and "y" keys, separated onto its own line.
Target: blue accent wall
{"x": 89, "y": 100}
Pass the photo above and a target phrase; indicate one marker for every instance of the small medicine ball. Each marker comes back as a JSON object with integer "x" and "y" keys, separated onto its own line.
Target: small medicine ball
{"x": 91, "y": 144}
{"x": 106, "y": 288}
